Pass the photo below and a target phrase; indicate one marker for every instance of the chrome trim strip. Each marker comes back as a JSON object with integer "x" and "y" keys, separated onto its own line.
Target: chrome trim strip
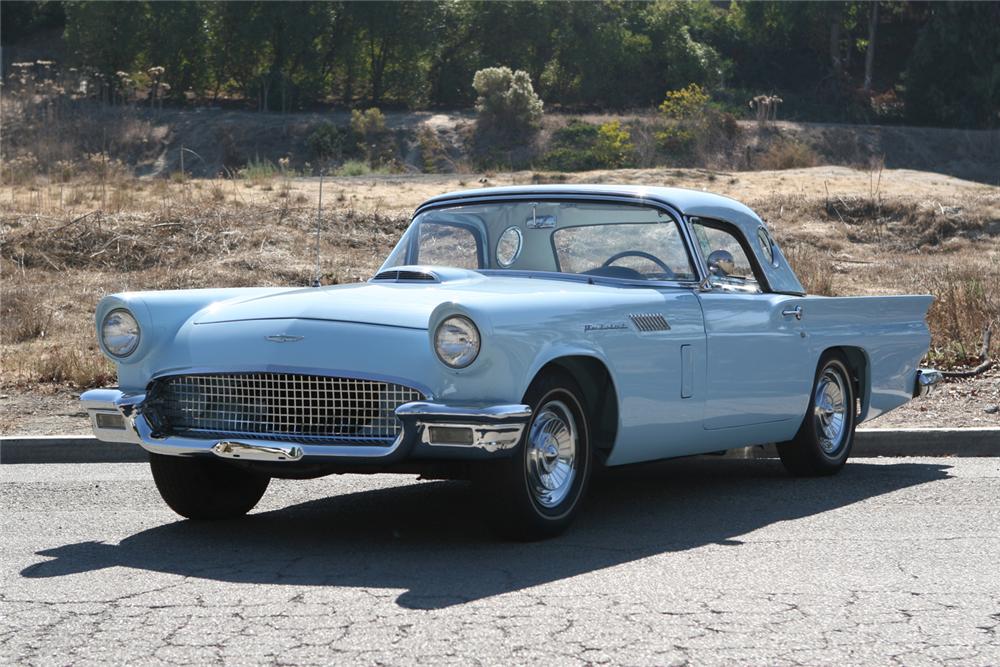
{"x": 924, "y": 383}
{"x": 309, "y": 319}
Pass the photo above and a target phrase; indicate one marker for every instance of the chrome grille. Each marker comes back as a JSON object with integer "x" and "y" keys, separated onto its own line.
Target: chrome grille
{"x": 279, "y": 406}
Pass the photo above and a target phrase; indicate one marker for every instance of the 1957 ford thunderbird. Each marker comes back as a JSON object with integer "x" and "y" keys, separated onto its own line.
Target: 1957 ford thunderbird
{"x": 517, "y": 337}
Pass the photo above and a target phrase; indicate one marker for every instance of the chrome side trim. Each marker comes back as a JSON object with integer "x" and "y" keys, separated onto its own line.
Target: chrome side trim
{"x": 925, "y": 381}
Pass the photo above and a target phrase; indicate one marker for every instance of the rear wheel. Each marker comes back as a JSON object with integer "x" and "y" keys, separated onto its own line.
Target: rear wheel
{"x": 824, "y": 440}
{"x": 200, "y": 488}
{"x": 537, "y": 492}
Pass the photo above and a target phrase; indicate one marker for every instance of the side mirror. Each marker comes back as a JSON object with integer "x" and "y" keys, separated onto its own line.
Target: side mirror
{"x": 720, "y": 263}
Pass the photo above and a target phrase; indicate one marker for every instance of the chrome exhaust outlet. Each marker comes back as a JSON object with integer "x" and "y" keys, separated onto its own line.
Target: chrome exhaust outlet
{"x": 251, "y": 452}
{"x": 926, "y": 379}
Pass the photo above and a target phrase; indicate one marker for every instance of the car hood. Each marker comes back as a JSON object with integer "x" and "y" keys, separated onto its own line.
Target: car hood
{"x": 397, "y": 304}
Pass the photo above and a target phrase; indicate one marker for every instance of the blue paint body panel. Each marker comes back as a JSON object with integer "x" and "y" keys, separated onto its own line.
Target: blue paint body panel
{"x": 731, "y": 369}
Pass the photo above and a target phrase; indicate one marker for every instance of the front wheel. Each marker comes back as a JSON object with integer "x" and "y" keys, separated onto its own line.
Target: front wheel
{"x": 201, "y": 488}
{"x": 824, "y": 440}
{"x": 537, "y": 492}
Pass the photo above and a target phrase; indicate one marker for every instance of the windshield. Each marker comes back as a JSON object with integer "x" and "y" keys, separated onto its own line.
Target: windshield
{"x": 611, "y": 240}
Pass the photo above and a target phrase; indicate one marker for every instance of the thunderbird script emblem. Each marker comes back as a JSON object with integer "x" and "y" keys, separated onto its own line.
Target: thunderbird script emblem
{"x": 284, "y": 338}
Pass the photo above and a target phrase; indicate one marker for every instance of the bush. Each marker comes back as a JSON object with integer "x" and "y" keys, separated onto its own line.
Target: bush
{"x": 372, "y": 137}
{"x": 583, "y": 146}
{"x": 329, "y": 142}
{"x": 787, "y": 154}
{"x": 613, "y": 149}
{"x": 694, "y": 128}
{"x": 506, "y": 100}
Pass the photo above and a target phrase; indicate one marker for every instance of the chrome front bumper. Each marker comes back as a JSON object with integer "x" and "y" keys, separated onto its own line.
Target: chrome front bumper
{"x": 925, "y": 382}
{"x": 430, "y": 430}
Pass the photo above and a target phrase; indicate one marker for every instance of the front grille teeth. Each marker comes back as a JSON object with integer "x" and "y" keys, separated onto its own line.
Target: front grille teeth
{"x": 279, "y": 406}
{"x": 647, "y": 322}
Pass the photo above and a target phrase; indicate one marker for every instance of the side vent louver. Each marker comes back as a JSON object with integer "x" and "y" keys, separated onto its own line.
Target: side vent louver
{"x": 406, "y": 275}
{"x": 646, "y": 322}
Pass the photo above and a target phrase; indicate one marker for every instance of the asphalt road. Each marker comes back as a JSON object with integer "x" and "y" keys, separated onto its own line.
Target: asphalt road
{"x": 701, "y": 561}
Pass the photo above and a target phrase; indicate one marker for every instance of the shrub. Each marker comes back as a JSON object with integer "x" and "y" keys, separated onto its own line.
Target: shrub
{"x": 694, "y": 127}
{"x": 685, "y": 104}
{"x": 433, "y": 156}
{"x": 787, "y": 154}
{"x": 372, "y": 137}
{"x": 506, "y": 100}
{"x": 20, "y": 169}
{"x": 583, "y": 146}
{"x": 329, "y": 142}
{"x": 613, "y": 149}
{"x": 258, "y": 170}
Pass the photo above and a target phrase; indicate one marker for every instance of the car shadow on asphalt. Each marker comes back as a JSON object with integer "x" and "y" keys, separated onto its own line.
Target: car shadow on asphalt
{"x": 428, "y": 539}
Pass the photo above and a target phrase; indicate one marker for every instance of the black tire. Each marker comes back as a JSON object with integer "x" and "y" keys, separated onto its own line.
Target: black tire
{"x": 811, "y": 453}
{"x": 199, "y": 488}
{"x": 517, "y": 503}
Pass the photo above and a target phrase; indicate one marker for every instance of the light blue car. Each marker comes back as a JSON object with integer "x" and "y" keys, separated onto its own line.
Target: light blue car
{"x": 517, "y": 337}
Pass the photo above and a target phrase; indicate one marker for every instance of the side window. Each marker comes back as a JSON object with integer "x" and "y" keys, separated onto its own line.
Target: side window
{"x": 447, "y": 245}
{"x": 728, "y": 264}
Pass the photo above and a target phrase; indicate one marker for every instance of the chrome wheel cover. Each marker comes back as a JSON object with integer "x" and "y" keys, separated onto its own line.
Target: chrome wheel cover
{"x": 830, "y": 410}
{"x": 551, "y": 454}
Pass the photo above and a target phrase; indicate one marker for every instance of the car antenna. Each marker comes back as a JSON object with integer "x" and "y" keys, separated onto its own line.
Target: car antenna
{"x": 319, "y": 224}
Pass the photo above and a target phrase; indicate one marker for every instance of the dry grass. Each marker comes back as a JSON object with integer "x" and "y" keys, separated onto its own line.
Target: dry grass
{"x": 66, "y": 244}
{"x": 786, "y": 154}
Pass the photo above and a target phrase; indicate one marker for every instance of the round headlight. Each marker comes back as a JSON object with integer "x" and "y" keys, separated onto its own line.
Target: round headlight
{"x": 120, "y": 333}
{"x": 456, "y": 341}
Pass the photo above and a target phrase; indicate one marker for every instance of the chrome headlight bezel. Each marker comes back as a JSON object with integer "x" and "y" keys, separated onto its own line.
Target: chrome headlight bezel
{"x": 462, "y": 332}
{"x": 126, "y": 320}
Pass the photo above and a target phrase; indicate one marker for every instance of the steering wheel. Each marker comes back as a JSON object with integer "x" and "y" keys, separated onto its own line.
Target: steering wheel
{"x": 639, "y": 253}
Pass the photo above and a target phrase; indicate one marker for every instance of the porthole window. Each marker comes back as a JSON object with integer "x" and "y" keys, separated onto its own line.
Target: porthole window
{"x": 509, "y": 246}
{"x": 766, "y": 245}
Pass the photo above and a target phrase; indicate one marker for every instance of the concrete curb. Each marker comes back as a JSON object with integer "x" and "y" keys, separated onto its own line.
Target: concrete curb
{"x": 868, "y": 443}
{"x": 67, "y": 449}
{"x": 871, "y": 443}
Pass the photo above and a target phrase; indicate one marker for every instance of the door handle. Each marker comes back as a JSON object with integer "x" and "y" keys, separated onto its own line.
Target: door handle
{"x": 796, "y": 311}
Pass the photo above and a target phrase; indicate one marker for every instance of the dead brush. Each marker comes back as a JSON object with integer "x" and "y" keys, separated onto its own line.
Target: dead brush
{"x": 812, "y": 267}
{"x": 23, "y": 314}
{"x": 78, "y": 367}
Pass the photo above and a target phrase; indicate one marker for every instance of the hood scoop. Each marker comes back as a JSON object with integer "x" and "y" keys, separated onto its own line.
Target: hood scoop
{"x": 424, "y": 274}
{"x": 406, "y": 275}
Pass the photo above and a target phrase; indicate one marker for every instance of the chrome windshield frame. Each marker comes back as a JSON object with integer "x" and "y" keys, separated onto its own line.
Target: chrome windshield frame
{"x": 675, "y": 215}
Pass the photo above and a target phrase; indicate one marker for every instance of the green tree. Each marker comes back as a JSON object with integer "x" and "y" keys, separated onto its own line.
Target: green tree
{"x": 108, "y": 36}
{"x": 953, "y": 76}
{"x": 176, "y": 41}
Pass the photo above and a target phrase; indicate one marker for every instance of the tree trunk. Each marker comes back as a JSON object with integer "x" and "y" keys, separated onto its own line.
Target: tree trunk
{"x": 870, "y": 51}
{"x": 835, "y": 61}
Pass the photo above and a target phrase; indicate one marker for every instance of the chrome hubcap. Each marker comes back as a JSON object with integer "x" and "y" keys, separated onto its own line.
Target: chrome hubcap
{"x": 551, "y": 455}
{"x": 830, "y": 410}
